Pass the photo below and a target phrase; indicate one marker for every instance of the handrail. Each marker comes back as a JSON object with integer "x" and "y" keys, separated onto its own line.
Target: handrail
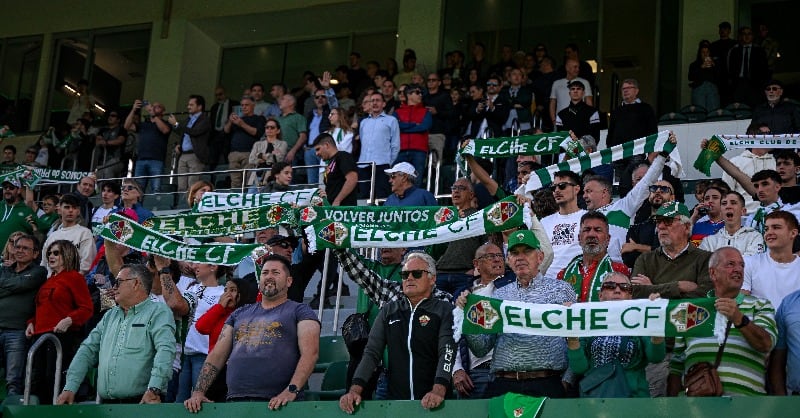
{"x": 29, "y": 366}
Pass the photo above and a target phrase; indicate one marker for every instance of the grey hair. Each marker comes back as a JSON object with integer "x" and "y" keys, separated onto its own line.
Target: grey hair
{"x": 141, "y": 273}
{"x": 714, "y": 260}
{"x": 613, "y": 273}
{"x": 424, "y": 257}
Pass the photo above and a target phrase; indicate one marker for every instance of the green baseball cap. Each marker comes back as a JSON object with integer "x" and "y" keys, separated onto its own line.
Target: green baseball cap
{"x": 523, "y": 237}
{"x": 671, "y": 210}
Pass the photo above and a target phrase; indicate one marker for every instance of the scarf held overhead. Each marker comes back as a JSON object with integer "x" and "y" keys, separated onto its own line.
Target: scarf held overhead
{"x": 229, "y": 222}
{"x": 127, "y": 232}
{"x": 213, "y": 202}
{"x": 652, "y": 143}
{"x": 394, "y": 218}
{"x": 502, "y": 215}
{"x": 719, "y": 144}
{"x": 636, "y": 317}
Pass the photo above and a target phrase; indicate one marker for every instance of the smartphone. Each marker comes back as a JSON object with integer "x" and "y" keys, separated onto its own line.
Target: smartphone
{"x": 145, "y": 102}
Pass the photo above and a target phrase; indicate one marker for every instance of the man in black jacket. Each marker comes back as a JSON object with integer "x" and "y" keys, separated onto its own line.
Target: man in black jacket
{"x": 578, "y": 117}
{"x": 425, "y": 372}
{"x": 780, "y": 116}
{"x": 193, "y": 145}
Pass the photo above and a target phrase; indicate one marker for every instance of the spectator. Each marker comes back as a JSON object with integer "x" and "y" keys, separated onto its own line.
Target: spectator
{"x": 409, "y": 68}
{"x": 341, "y": 130}
{"x": 478, "y": 63}
{"x": 455, "y": 264}
{"x": 531, "y": 365}
{"x": 773, "y": 274}
{"x": 318, "y": 122}
{"x": 747, "y": 68}
{"x": 293, "y": 351}
{"x": 705, "y": 75}
{"x": 83, "y": 191}
{"x": 748, "y": 342}
{"x": 402, "y": 178}
{"x": 279, "y": 179}
{"x": 390, "y": 93}
{"x": 266, "y": 153}
{"x": 63, "y": 305}
{"x": 341, "y": 176}
{"x": 82, "y": 102}
{"x": 17, "y": 215}
{"x": 377, "y": 131}
{"x": 578, "y": 117}
{"x": 710, "y": 210}
{"x": 440, "y": 107}
{"x": 197, "y": 190}
{"x": 542, "y": 86}
{"x": 245, "y": 130}
{"x": 780, "y": 116}
{"x": 420, "y": 354}
{"x": 48, "y": 215}
{"x": 745, "y": 239}
{"x": 152, "y": 135}
{"x": 641, "y": 237}
{"x": 133, "y": 358}
{"x": 783, "y": 364}
{"x": 294, "y": 129}
{"x": 131, "y": 199}
{"x": 109, "y": 145}
{"x": 559, "y": 95}
{"x": 109, "y": 194}
{"x": 592, "y": 356}
{"x": 72, "y": 231}
{"x": 193, "y": 147}
{"x": 585, "y": 72}
{"x": 563, "y": 227}
{"x": 751, "y": 161}
{"x": 220, "y": 142}
{"x": 20, "y": 281}
{"x": 719, "y": 52}
{"x": 415, "y": 121}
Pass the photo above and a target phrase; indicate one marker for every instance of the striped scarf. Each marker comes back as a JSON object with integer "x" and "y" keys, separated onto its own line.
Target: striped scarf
{"x": 586, "y": 291}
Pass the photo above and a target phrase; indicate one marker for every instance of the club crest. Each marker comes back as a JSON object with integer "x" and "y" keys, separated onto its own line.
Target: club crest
{"x": 687, "y": 315}
{"x": 274, "y": 214}
{"x": 308, "y": 214}
{"x": 334, "y": 233}
{"x": 482, "y": 314}
{"x": 121, "y": 230}
{"x": 444, "y": 215}
{"x": 502, "y": 212}
{"x": 149, "y": 223}
{"x": 424, "y": 319}
{"x": 519, "y": 412}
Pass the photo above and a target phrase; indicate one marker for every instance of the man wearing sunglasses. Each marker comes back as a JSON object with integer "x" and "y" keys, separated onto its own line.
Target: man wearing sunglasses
{"x": 417, "y": 330}
{"x": 562, "y": 226}
{"x": 15, "y": 211}
{"x": 586, "y": 271}
{"x": 782, "y": 117}
{"x": 641, "y": 237}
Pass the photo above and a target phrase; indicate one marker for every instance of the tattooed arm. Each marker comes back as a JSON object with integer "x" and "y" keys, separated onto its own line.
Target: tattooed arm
{"x": 169, "y": 290}
{"x": 214, "y": 362}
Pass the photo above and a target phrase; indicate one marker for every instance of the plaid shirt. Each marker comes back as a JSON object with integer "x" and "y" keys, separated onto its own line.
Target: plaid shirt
{"x": 380, "y": 290}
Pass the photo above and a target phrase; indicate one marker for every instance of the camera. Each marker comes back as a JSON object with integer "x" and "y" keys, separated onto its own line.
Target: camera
{"x": 703, "y": 211}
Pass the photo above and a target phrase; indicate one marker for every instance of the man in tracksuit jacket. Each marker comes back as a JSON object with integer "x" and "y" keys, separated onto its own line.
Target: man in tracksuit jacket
{"x": 418, "y": 331}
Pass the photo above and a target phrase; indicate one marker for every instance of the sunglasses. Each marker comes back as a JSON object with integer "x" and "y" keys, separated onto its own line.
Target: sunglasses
{"x": 773, "y": 88}
{"x": 662, "y": 189}
{"x": 416, "y": 274}
{"x": 625, "y": 287}
{"x": 492, "y": 84}
{"x": 283, "y": 244}
{"x": 54, "y": 252}
{"x": 564, "y": 184}
{"x": 129, "y": 188}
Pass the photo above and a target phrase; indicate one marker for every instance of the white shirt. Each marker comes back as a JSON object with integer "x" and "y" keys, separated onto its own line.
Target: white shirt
{"x": 769, "y": 279}
{"x": 563, "y": 233}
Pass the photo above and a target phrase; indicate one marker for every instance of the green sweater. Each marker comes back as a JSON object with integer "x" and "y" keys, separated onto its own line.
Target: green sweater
{"x": 691, "y": 265}
{"x": 17, "y": 294}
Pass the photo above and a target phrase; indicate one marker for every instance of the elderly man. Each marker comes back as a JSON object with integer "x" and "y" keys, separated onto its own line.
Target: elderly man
{"x": 749, "y": 339}
{"x": 19, "y": 283}
{"x": 585, "y": 272}
{"x": 133, "y": 345}
{"x": 193, "y": 148}
{"x": 455, "y": 264}
{"x": 782, "y": 117}
{"x": 471, "y": 374}
{"x": 402, "y": 178}
{"x": 279, "y": 329}
{"x": 418, "y": 332}
{"x": 531, "y": 365}
{"x": 641, "y": 237}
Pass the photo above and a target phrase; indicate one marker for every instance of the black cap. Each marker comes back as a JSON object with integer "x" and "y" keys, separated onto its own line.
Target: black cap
{"x": 282, "y": 238}
{"x": 773, "y": 82}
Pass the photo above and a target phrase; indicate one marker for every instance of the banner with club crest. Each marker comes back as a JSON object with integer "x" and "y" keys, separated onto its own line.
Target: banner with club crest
{"x": 636, "y": 317}
{"x": 392, "y": 218}
{"x": 127, "y": 232}
{"x": 502, "y": 215}
{"x": 223, "y": 223}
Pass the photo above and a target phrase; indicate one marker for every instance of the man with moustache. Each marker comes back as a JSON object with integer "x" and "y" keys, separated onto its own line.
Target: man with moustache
{"x": 585, "y": 272}
{"x": 278, "y": 329}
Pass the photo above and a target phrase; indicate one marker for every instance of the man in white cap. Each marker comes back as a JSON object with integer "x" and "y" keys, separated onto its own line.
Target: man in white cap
{"x": 404, "y": 193}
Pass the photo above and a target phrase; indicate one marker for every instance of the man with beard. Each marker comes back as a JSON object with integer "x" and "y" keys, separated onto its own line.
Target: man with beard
{"x": 284, "y": 331}
{"x": 586, "y": 272}
{"x": 641, "y": 237}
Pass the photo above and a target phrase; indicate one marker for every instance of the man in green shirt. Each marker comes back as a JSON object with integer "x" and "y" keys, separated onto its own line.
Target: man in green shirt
{"x": 133, "y": 345}
{"x": 294, "y": 129}
{"x": 14, "y": 211}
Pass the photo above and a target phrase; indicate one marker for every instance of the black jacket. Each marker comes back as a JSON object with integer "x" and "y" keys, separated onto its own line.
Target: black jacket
{"x": 415, "y": 363}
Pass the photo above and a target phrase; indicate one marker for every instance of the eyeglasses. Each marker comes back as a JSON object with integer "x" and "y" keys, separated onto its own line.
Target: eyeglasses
{"x": 772, "y": 88}
{"x": 663, "y": 219}
{"x": 564, "y": 184}
{"x": 393, "y": 175}
{"x": 9, "y": 187}
{"x": 492, "y": 84}
{"x": 625, "y": 287}
{"x": 661, "y": 189}
{"x": 54, "y": 253}
{"x": 270, "y": 127}
{"x": 458, "y": 187}
{"x": 491, "y": 256}
{"x": 128, "y": 188}
{"x": 416, "y": 274}
{"x": 283, "y": 244}
{"x": 119, "y": 281}
{"x": 23, "y": 248}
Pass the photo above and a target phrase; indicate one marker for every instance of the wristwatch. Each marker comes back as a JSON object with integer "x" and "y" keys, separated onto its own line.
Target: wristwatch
{"x": 165, "y": 270}
{"x": 293, "y": 389}
{"x": 156, "y": 391}
{"x": 744, "y": 323}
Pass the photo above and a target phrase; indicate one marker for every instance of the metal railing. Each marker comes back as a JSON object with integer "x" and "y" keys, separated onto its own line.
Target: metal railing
{"x": 26, "y": 397}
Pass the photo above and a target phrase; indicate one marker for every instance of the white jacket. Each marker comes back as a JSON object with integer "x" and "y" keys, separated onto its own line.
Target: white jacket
{"x": 750, "y": 164}
{"x": 747, "y": 240}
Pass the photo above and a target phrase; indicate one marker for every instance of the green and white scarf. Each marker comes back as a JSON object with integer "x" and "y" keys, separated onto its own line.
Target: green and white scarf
{"x": 55, "y": 175}
{"x": 213, "y": 202}
{"x": 127, "y": 232}
{"x": 720, "y": 144}
{"x": 635, "y": 317}
{"x": 653, "y": 143}
{"x": 539, "y": 144}
{"x": 394, "y": 218}
{"x": 25, "y": 175}
{"x": 573, "y": 276}
{"x": 500, "y": 216}
{"x": 229, "y": 222}
{"x": 758, "y": 218}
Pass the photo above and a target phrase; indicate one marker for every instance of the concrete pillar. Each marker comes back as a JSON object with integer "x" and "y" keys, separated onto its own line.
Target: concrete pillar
{"x": 39, "y": 111}
{"x": 420, "y": 26}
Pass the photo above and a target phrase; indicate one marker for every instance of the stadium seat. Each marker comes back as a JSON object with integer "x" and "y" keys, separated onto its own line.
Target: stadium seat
{"x": 331, "y": 350}
{"x": 694, "y": 113}
{"x": 334, "y": 383}
{"x": 740, "y": 110}
{"x": 673, "y": 119}
{"x": 720, "y": 115}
